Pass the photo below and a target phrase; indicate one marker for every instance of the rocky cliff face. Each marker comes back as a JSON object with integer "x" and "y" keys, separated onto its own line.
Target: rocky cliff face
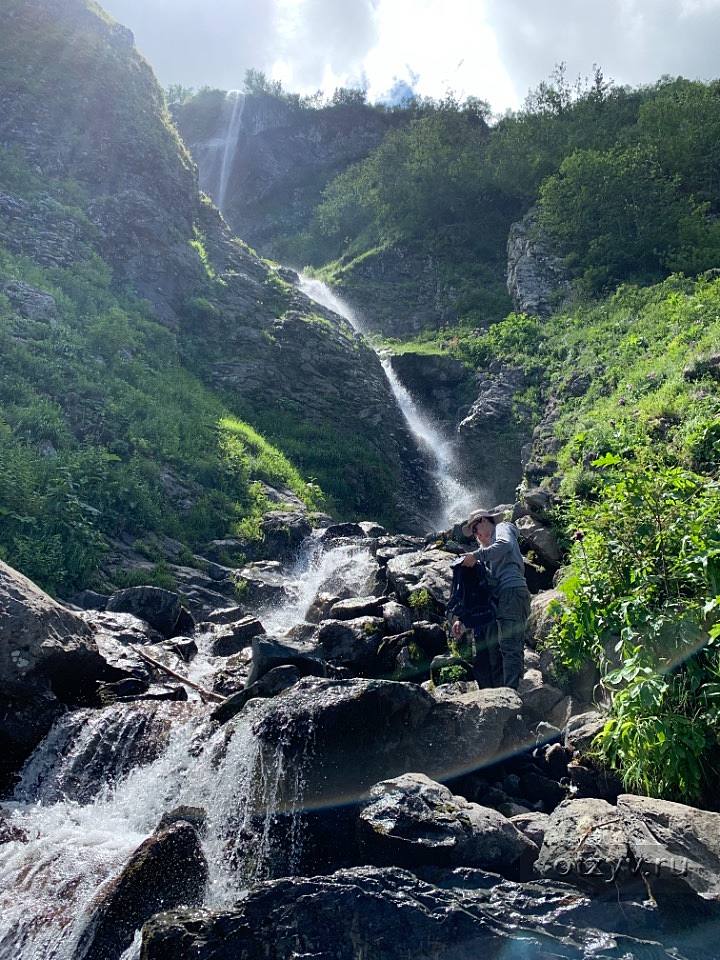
{"x": 85, "y": 108}
{"x": 279, "y": 160}
{"x": 398, "y": 292}
{"x": 536, "y": 278}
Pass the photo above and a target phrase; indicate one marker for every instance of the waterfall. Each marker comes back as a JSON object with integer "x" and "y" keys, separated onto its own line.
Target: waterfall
{"x": 217, "y": 156}
{"x": 456, "y": 499}
{"x": 231, "y": 139}
{"x": 99, "y": 783}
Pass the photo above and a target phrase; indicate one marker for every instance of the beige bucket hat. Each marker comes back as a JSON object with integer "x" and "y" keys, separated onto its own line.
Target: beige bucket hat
{"x": 476, "y": 515}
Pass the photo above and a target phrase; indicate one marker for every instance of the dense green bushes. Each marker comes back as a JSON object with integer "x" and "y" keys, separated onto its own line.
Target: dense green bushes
{"x": 643, "y": 589}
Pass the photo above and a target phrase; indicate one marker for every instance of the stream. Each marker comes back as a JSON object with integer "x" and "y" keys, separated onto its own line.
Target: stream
{"x": 99, "y": 783}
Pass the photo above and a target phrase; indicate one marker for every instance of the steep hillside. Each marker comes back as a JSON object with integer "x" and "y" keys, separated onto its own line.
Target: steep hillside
{"x": 140, "y": 338}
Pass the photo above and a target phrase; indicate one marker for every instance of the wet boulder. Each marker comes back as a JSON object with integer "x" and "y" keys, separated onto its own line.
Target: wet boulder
{"x": 231, "y": 638}
{"x": 355, "y": 607}
{"x": 398, "y": 618}
{"x": 263, "y": 582}
{"x": 117, "y": 634}
{"x": 269, "y": 684}
{"x": 352, "y": 734}
{"x": 48, "y": 657}
{"x": 338, "y": 531}
{"x": 268, "y": 653}
{"x": 351, "y": 643}
{"x": 533, "y": 825}
{"x": 320, "y": 607}
{"x": 162, "y": 609}
{"x": 224, "y": 615}
{"x": 392, "y": 914}
{"x": 412, "y": 820}
{"x": 585, "y": 842}
{"x": 421, "y": 570}
{"x": 283, "y": 532}
{"x": 676, "y": 847}
{"x": 168, "y": 870}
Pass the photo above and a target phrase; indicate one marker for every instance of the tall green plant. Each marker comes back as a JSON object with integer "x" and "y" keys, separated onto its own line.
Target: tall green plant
{"x": 642, "y": 598}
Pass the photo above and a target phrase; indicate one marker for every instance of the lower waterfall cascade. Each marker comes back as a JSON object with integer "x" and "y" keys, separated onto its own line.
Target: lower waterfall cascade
{"x": 101, "y": 780}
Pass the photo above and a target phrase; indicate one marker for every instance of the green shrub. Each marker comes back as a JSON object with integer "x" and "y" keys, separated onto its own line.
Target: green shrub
{"x": 642, "y": 592}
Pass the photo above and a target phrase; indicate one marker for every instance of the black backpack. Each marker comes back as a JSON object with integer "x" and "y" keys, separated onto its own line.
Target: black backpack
{"x": 472, "y": 595}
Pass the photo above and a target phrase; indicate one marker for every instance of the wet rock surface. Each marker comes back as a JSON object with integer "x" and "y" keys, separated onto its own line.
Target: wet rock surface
{"x": 392, "y": 914}
{"x": 167, "y": 870}
{"x": 413, "y": 821}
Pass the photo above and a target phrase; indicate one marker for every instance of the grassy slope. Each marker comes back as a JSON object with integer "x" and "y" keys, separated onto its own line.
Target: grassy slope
{"x": 102, "y": 431}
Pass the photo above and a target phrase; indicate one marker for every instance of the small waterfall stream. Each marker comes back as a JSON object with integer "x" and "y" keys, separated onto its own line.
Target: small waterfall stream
{"x": 216, "y": 157}
{"x": 99, "y": 783}
{"x": 456, "y": 499}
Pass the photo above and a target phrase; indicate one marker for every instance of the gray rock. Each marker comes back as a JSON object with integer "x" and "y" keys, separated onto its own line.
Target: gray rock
{"x": 544, "y": 611}
{"x": 585, "y": 842}
{"x": 390, "y": 914}
{"x": 372, "y": 529}
{"x": 536, "y": 278}
{"x": 357, "y": 607}
{"x": 582, "y": 729}
{"x": 166, "y": 871}
{"x": 412, "y": 820}
{"x": 538, "y": 698}
{"x": 533, "y": 825}
{"x": 160, "y": 608}
{"x": 351, "y": 643}
{"x": 673, "y": 843}
{"x": 225, "y": 615}
{"x": 398, "y": 618}
{"x": 262, "y": 582}
{"x": 282, "y": 533}
{"x": 420, "y": 570}
{"x": 338, "y": 531}
{"x": 231, "y": 638}
{"x": 48, "y": 655}
{"x": 30, "y": 302}
{"x": 320, "y": 607}
{"x": 268, "y": 653}
{"x": 392, "y": 726}
{"x": 269, "y": 684}
{"x": 533, "y": 535}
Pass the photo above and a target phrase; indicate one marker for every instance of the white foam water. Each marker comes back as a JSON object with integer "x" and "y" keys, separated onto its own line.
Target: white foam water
{"x": 93, "y": 791}
{"x": 455, "y": 498}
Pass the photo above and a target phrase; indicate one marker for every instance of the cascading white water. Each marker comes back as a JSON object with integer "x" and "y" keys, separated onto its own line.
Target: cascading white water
{"x": 231, "y": 139}
{"x": 217, "y": 155}
{"x": 455, "y": 497}
{"x": 79, "y": 834}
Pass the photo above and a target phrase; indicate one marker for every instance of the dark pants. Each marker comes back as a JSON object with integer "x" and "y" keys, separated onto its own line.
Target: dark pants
{"x": 487, "y": 661}
{"x": 513, "y": 610}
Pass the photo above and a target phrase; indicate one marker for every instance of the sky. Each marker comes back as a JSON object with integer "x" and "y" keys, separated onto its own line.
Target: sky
{"x": 493, "y": 49}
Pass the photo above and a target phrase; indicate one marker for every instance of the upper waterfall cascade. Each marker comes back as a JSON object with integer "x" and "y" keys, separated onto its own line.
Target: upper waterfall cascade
{"x": 217, "y": 156}
{"x": 455, "y": 498}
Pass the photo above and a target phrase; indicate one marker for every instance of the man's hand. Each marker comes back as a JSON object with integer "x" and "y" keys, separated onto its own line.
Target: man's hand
{"x": 457, "y": 629}
{"x": 469, "y": 560}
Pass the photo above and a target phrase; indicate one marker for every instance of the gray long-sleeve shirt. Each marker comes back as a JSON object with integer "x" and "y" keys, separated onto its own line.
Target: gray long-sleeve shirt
{"x": 504, "y": 558}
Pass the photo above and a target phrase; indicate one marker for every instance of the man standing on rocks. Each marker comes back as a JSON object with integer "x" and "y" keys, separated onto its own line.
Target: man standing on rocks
{"x": 498, "y": 548}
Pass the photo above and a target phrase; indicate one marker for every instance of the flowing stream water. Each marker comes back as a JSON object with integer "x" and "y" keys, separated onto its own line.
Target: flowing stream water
{"x": 456, "y": 499}
{"x": 99, "y": 783}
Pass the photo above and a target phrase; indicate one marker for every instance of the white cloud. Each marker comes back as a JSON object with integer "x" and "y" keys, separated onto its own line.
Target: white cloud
{"x": 494, "y": 49}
